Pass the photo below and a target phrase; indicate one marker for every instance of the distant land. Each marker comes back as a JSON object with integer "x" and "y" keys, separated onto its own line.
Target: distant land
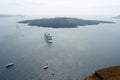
{"x": 62, "y": 22}
{"x": 9, "y": 15}
{"x": 117, "y": 17}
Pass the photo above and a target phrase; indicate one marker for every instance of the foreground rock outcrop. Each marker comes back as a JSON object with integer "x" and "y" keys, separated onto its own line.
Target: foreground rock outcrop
{"x": 110, "y": 73}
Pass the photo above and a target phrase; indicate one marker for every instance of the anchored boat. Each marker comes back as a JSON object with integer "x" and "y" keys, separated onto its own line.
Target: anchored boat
{"x": 9, "y": 65}
{"x": 48, "y": 37}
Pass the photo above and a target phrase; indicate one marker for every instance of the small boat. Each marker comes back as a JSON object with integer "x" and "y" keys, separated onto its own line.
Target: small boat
{"x": 45, "y": 67}
{"x": 109, "y": 73}
{"x": 53, "y": 74}
{"x": 9, "y": 65}
{"x": 48, "y": 37}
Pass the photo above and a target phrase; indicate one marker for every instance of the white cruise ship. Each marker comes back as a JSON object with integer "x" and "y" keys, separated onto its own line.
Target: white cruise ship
{"x": 48, "y": 37}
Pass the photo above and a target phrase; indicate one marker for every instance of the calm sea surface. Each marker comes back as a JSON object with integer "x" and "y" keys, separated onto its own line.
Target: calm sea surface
{"x": 74, "y": 53}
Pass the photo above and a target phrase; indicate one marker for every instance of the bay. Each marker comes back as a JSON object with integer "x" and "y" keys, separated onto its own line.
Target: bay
{"x": 74, "y": 53}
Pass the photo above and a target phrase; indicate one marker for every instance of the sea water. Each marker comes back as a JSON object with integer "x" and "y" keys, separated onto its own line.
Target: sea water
{"x": 74, "y": 53}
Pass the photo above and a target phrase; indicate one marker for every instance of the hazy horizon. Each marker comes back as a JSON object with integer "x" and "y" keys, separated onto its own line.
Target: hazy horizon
{"x": 61, "y": 7}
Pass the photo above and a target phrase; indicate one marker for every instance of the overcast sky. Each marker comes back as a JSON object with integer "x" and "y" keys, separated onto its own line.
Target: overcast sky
{"x": 60, "y": 7}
